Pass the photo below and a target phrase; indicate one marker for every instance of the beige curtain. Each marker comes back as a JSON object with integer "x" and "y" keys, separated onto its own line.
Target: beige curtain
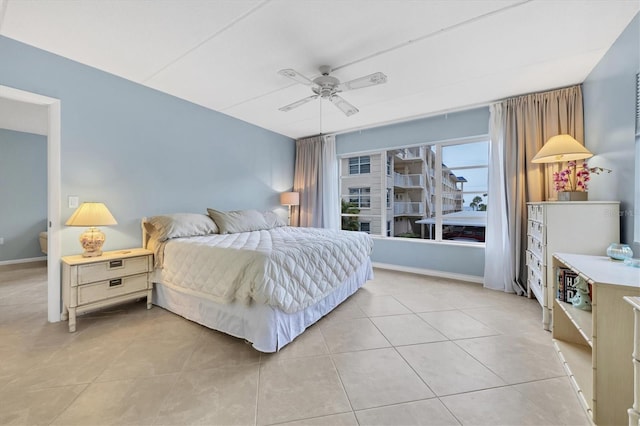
{"x": 307, "y": 180}
{"x": 526, "y": 123}
{"x": 530, "y": 121}
{"x": 316, "y": 179}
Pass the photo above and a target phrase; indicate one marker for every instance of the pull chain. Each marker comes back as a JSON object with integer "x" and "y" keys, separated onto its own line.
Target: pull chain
{"x": 320, "y": 115}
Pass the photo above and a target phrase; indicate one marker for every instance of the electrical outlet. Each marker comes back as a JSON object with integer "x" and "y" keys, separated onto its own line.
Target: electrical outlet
{"x": 1, "y": 241}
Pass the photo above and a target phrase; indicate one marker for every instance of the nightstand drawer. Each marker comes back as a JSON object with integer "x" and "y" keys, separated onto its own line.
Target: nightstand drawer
{"x": 111, "y": 288}
{"x": 114, "y": 268}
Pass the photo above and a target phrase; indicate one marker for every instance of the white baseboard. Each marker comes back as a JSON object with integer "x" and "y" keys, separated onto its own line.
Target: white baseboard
{"x": 430, "y": 272}
{"x": 19, "y": 261}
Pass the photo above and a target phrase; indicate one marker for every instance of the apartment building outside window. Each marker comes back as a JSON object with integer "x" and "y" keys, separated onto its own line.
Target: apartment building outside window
{"x": 359, "y": 165}
{"x": 435, "y": 191}
{"x": 360, "y": 197}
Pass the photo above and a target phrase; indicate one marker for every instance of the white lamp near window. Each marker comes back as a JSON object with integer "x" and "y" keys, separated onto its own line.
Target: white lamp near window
{"x": 561, "y": 148}
{"x": 92, "y": 215}
{"x": 290, "y": 199}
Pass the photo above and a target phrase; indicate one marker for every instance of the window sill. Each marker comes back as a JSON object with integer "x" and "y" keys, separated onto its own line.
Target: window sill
{"x": 422, "y": 241}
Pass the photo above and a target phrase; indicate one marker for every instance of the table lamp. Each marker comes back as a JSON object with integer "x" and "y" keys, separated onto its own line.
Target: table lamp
{"x": 92, "y": 215}
{"x": 290, "y": 199}
{"x": 561, "y": 148}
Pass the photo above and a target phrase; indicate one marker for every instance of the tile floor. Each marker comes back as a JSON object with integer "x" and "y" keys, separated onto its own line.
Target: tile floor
{"x": 404, "y": 350}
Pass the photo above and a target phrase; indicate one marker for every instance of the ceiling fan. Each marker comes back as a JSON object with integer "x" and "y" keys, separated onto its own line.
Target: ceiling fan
{"x": 328, "y": 87}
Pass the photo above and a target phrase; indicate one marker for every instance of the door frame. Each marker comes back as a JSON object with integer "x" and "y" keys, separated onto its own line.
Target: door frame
{"x": 53, "y": 192}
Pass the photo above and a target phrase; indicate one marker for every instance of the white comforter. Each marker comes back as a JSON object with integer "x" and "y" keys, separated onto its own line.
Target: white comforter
{"x": 288, "y": 268}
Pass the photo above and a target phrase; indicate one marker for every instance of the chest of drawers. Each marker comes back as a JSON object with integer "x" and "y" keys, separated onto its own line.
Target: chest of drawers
{"x": 90, "y": 283}
{"x": 582, "y": 227}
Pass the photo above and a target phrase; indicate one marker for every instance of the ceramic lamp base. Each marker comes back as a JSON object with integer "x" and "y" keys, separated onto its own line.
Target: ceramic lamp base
{"x": 92, "y": 241}
{"x": 573, "y": 196}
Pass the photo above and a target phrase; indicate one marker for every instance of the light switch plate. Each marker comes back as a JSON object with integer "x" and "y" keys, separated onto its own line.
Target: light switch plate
{"x": 73, "y": 202}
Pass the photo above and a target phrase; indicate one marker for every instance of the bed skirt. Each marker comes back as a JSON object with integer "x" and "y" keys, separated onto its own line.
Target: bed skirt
{"x": 267, "y": 328}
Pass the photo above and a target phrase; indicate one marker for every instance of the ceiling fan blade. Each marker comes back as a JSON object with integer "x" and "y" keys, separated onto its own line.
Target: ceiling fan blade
{"x": 359, "y": 83}
{"x": 296, "y": 76}
{"x": 298, "y": 103}
{"x": 344, "y": 106}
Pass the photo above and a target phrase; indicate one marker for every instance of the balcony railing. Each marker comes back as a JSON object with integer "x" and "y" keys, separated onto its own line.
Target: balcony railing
{"x": 414, "y": 153}
{"x": 408, "y": 181}
{"x": 408, "y": 208}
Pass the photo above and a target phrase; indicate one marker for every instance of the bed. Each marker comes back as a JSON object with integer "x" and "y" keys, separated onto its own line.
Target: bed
{"x": 246, "y": 274}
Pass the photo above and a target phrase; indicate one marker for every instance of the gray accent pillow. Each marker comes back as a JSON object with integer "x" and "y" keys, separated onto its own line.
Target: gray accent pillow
{"x": 164, "y": 227}
{"x": 235, "y": 221}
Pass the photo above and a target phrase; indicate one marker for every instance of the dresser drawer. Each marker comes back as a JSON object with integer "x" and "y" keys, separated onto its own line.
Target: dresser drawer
{"x": 536, "y": 277}
{"x": 534, "y": 245}
{"x": 535, "y": 212}
{"x": 536, "y": 229}
{"x": 536, "y": 289}
{"x": 111, "y": 288}
{"x": 534, "y": 262}
{"x": 115, "y": 268}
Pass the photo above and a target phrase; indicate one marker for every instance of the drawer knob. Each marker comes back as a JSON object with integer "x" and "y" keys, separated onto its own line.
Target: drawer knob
{"x": 116, "y": 282}
{"x": 115, "y": 263}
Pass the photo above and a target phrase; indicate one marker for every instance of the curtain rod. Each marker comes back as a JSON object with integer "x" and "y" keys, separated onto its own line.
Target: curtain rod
{"x": 436, "y": 113}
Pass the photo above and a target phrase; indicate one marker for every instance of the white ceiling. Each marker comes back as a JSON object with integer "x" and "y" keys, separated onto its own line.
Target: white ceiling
{"x": 439, "y": 55}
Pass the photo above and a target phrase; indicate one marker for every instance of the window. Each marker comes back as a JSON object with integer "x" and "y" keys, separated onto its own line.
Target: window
{"x": 365, "y": 227}
{"x": 359, "y": 165}
{"x": 360, "y": 197}
{"x": 436, "y": 191}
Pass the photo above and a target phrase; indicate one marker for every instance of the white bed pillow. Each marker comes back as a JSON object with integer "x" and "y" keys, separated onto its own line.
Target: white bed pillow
{"x": 273, "y": 220}
{"x": 235, "y": 221}
{"x": 164, "y": 227}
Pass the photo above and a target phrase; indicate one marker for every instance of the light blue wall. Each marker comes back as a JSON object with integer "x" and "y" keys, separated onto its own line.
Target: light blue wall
{"x": 143, "y": 152}
{"x": 609, "y": 115}
{"x": 457, "y": 259}
{"x": 23, "y": 194}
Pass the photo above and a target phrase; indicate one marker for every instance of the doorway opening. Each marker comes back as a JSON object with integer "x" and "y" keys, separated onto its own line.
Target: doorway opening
{"x": 53, "y": 192}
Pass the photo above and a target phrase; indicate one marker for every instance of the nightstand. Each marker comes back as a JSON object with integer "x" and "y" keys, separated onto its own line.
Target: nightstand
{"x": 90, "y": 283}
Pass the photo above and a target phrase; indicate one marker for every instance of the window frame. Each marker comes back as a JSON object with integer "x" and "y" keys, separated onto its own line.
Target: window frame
{"x": 359, "y": 164}
{"x": 382, "y": 152}
{"x": 360, "y": 195}
{"x": 364, "y": 223}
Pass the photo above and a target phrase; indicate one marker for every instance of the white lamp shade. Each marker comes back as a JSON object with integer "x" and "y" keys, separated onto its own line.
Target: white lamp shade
{"x": 91, "y": 214}
{"x": 561, "y": 148}
{"x": 290, "y": 198}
